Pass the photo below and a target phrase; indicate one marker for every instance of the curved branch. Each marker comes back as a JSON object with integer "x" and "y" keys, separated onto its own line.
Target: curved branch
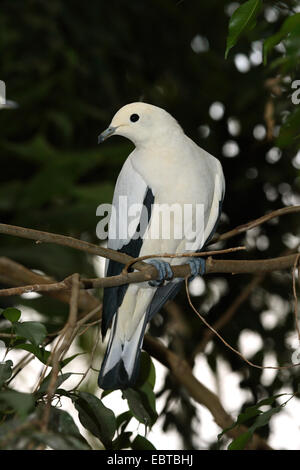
{"x": 63, "y": 240}
{"x": 183, "y": 374}
{"x": 254, "y": 223}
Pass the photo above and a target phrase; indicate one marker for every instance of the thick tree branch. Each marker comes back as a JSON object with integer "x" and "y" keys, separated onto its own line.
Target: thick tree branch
{"x": 63, "y": 346}
{"x": 63, "y": 240}
{"x": 212, "y": 266}
{"x": 183, "y": 374}
{"x": 15, "y": 274}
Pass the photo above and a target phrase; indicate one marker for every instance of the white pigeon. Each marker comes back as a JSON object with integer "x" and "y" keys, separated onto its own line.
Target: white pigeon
{"x": 166, "y": 168}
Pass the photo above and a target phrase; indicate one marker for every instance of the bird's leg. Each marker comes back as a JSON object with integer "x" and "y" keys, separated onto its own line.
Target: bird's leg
{"x": 197, "y": 266}
{"x": 164, "y": 269}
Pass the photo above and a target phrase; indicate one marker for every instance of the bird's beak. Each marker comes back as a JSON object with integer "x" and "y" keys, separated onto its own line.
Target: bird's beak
{"x": 105, "y": 134}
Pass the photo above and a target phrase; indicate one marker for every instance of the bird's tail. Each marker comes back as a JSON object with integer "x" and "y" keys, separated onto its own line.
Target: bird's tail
{"x": 120, "y": 365}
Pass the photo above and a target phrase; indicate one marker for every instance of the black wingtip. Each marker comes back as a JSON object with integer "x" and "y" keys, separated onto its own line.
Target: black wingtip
{"x": 116, "y": 378}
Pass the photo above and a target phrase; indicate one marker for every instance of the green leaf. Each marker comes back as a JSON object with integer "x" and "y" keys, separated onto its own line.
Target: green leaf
{"x": 269, "y": 400}
{"x": 147, "y": 371}
{"x": 149, "y": 401}
{"x": 264, "y": 418}
{"x": 136, "y": 406}
{"x": 140, "y": 402}
{"x": 95, "y": 417}
{"x": 63, "y": 433}
{"x": 290, "y": 24}
{"x": 240, "y": 442}
{"x": 269, "y": 43}
{"x": 61, "y": 441}
{"x": 65, "y": 393}
{"x": 12, "y": 314}
{"x": 61, "y": 421}
{"x": 39, "y": 353}
{"x": 5, "y": 371}
{"x": 122, "y": 441}
{"x": 66, "y": 361}
{"x": 290, "y": 130}
{"x": 123, "y": 419}
{"x": 249, "y": 413}
{"x": 141, "y": 443}
{"x": 21, "y": 403}
{"x": 242, "y": 20}
{"x": 106, "y": 392}
{"x": 42, "y": 354}
{"x": 253, "y": 411}
{"x": 292, "y": 42}
{"x": 33, "y": 331}
{"x": 45, "y": 384}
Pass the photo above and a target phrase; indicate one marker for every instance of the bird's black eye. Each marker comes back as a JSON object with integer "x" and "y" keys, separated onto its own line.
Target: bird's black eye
{"x": 134, "y": 117}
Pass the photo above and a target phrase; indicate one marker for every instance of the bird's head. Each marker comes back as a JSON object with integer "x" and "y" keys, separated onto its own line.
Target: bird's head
{"x": 142, "y": 123}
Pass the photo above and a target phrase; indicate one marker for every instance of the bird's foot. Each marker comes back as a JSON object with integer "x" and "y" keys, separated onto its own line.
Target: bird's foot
{"x": 197, "y": 266}
{"x": 164, "y": 269}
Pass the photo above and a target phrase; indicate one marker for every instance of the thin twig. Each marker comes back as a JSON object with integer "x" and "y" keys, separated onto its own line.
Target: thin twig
{"x": 30, "y": 356}
{"x": 58, "y": 355}
{"x": 254, "y": 223}
{"x": 232, "y": 309}
{"x": 295, "y": 295}
{"x": 91, "y": 360}
{"x": 96, "y": 322}
{"x": 34, "y": 288}
{"x": 182, "y": 255}
{"x": 227, "y": 344}
{"x": 229, "y": 313}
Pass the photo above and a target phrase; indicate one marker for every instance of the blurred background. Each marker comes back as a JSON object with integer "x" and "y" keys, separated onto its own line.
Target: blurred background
{"x": 70, "y": 66}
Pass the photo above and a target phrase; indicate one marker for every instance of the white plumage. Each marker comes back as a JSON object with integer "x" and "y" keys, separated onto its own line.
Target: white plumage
{"x": 165, "y": 168}
{"x": 4, "y": 103}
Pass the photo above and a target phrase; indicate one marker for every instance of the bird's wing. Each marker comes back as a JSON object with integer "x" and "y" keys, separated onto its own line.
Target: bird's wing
{"x": 170, "y": 290}
{"x": 216, "y": 207}
{"x": 130, "y": 189}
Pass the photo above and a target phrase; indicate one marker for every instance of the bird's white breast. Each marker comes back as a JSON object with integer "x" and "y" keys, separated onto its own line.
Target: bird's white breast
{"x": 182, "y": 174}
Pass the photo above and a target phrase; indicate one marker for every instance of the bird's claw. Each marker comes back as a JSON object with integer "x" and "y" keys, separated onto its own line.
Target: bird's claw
{"x": 164, "y": 269}
{"x": 197, "y": 266}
